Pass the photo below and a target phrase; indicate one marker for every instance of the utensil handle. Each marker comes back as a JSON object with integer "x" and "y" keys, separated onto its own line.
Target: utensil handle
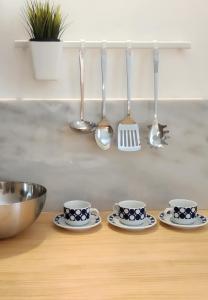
{"x": 103, "y": 71}
{"x": 156, "y": 79}
{"x": 129, "y": 69}
{"x": 81, "y": 65}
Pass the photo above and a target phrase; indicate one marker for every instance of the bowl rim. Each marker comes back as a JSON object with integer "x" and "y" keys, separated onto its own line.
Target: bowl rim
{"x": 23, "y": 182}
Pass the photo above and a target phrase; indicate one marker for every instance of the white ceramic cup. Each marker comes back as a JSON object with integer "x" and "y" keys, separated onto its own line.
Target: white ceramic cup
{"x": 78, "y": 212}
{"x": 182, "y": 211}
{"x": 130, "y": 212}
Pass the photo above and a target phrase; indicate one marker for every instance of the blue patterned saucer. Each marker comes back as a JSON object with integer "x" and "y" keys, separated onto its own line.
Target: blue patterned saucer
{"x": 198, "y": 222}
{"x": 149, "y": 222}
{"x": 59, "y": 221}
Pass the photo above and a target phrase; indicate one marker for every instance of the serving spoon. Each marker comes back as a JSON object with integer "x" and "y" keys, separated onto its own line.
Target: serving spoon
{"x": 157, "y": 135}
{"x": 82, "y": 125}
{"x": 104, "y": 131}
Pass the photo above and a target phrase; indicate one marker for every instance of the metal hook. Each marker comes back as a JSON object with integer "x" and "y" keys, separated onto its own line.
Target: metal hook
{"x": 128, "y": 44}
{"x": 155, "y": 43}
{"x": 82, "y": 45}
{"x": 104, "y": 44}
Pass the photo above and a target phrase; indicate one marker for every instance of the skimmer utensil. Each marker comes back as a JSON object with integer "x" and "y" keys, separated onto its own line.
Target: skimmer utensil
{"x": 128, "y": 129}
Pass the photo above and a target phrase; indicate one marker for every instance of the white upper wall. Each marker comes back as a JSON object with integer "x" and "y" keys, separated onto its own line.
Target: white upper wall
{"x": 183, "y": 72}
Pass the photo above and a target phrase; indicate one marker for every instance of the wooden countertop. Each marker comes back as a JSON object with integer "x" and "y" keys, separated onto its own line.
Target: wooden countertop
{"x": 46, "y": 262}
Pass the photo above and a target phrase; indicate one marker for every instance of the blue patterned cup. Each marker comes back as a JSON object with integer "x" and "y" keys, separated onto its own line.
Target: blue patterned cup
{"x": 130, "y": 212}
{"x": 78, "y": 212}
{"x": 182, "y": 211}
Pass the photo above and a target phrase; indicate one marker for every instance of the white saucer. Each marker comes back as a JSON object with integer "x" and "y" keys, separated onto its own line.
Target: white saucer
{"x": 149, "y": 222}
{"x": 198, "y": 222}
{"x": 59, "y": 221}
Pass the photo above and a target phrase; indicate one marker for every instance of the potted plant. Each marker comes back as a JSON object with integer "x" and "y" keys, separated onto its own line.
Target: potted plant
{"x": 45, "y": 26}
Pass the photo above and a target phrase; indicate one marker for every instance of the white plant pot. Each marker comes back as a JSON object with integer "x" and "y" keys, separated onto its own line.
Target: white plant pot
{"x": 46, "y": 57}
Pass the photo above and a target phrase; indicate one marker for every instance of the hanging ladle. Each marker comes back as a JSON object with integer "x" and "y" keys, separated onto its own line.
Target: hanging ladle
{"x": 82, "y": 125}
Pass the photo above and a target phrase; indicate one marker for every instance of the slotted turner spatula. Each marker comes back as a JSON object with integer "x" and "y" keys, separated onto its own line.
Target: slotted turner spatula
{"x": 128, "y": 129}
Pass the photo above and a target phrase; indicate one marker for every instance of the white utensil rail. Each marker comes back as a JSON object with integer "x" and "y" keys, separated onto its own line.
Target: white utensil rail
{"x": 118, "y": 44}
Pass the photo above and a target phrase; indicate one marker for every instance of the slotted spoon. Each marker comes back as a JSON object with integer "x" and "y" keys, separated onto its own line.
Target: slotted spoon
{"x": 128, "y": 129}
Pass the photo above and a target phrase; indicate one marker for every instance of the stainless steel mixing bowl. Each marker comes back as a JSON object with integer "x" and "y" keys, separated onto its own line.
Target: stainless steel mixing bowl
{"x": 20, "y": 205}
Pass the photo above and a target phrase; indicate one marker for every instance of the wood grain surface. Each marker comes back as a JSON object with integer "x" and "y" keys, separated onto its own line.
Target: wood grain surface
{"x": 46, "y": 262}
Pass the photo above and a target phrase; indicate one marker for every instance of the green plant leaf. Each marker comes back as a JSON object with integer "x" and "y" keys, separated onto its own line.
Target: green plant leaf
{"x": 43, "y": 20}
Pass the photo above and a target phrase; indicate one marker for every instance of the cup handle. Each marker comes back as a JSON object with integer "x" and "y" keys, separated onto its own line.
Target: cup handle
{"x": 94, "y": 212}
{"x": 168, "y": 211}
{"x": 116, "y": 208}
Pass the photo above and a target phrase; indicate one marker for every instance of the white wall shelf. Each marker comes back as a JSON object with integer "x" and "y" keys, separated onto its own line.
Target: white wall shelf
{"x": 118, "y": 44}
